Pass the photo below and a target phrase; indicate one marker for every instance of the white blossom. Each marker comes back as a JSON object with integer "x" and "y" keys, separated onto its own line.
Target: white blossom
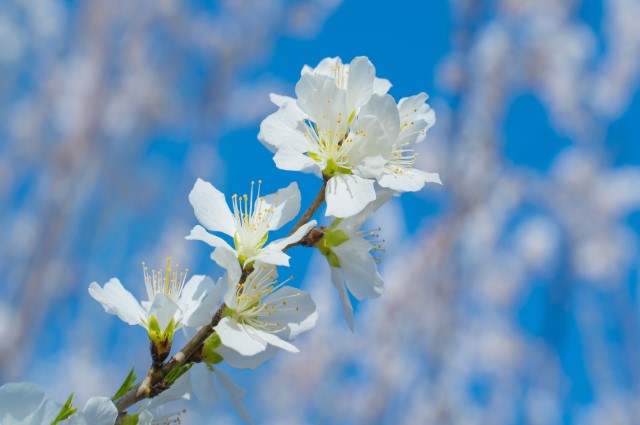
{"x": 261, "y": 312}
{"x": 172, "y": 302}
{"x": 249, "y": 224}
{"x": 344, "y": 127}
{"x": 348, "y": 252}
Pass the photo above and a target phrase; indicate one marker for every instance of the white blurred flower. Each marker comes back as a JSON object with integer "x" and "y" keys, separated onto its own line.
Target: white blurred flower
{"x": 25, "y": 404}
{"x": 249, "y": 224}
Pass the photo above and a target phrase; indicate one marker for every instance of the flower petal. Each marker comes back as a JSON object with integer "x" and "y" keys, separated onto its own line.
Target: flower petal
{"x": 351, "y": 225}
{"x": 280, "y": 244}
{"x": 381, "y": 86}
{"x": 227, "y": 258}
{"x": 347, "y": 308}
{"x": 282, "y": 130}
{"x": 416, "y": 117}
{"x": 295, "y": 308}
{"x": 274, "y": 340}
{"x": 236, "y": 394}
{"x": 409, "y": 180}
{"x": 280, "y": 207}
{"x": 385, "y": 110}
{"x": 236, "y": 337}
{"x": 271, "y": 256}
{"x": 198, "y": 299}
{"x": 211, "y": 209}
{"x": 360, "y": 84}
{"x": 359, "y": 269}
{"x": 19, "y": 400}
{"x": 348, "y": 194}
{"x": 164, "y": 309}
{"x": 118, "y": 301}
{"x": 98, "y": 411}
{"x": 203, "y": 384}
{"x": 198, "y": 233}
{"x": 292, "y": 160}
{"x": 238, "y": 361}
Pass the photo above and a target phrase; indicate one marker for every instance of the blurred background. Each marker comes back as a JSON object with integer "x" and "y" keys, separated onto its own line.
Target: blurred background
{"x": 511, "y": 291}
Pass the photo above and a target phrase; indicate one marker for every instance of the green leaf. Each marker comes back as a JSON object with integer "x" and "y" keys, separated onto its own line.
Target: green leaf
{"x": 177, "y": 372}
{"x": 66, "y": 411}
{"x": 126, "y": 386}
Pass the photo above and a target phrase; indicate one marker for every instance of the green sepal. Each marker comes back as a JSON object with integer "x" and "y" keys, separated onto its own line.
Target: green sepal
{"x": 332, "y": 169}
{"x": 177, "y": 372}
{"x": 332, "y": 238}
{"x": 127, "y": 385}
{"x": 209, "y": 354}
{"x": 160, "y": 336}
{"x": 66, "y": 411}
{"x": 130, "y": 419}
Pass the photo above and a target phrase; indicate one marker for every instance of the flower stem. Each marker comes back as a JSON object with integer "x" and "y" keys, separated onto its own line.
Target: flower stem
{"x": 312, "y": 208}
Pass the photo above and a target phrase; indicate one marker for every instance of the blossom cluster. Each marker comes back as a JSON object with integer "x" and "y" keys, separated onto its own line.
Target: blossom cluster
{"x": 343, "y": 127}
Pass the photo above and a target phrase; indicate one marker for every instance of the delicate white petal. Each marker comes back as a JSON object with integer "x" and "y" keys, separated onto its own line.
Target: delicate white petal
{"x": 204, "y": 385}
{"x": 118, "y": 301}
{"x": 327, "y": 66}
{"x": 236, "y": 337}
{"x": 296, "y": 309}
{"x": 360, "y": 85}
{"x": 211, "y": 209}
{"x": 199, "y": 297}
{"x": 238, "y": 361}
{"x": 359, "y": 269}
{"x": 351, "y": 225}
{"x": 348, "y": 194}
{"x": 347, "y": 308}
{"x": 145, "y": 418}
{"x": 46, "y": 413}
{"x": 164, "y": 309}
{"x": 19, "y": 400}
{"x": 281, "y": 207}
{"x": 97, "y": 411}
{"x": 236, "y": 394}
{"x": 271, "y": 256}
{"x": 199, "y": 233}
{"x": 291, "y": 160}
{"x": 279, "y": 100}
{"x": 369, "y": 139}
{"x": 281, "y": 129}
{"x": 410, "y": 180}
{"x": 416, "y": 118}
{"x": 227, "y": 258}
{"x": 381, "y": 86}
{"x": 324, "y": 102}
{"x": 280, "y": 244}
{"x": 273, "y": 339}
{"x": 385, "y": 110}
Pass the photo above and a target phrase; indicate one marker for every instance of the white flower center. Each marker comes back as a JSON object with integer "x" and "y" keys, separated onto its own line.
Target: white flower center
{"x": 169, "y": 282}
{"x": 251, "y": 308}
{"x": 333, "y": 145}
{"x": 252, "y": 222}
